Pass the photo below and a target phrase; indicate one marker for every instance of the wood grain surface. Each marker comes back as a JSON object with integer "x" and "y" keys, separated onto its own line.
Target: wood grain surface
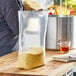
{"x": 8, "y": 66}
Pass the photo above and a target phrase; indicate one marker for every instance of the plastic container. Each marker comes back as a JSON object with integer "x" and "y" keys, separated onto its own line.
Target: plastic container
{"x": 32, "y": 32}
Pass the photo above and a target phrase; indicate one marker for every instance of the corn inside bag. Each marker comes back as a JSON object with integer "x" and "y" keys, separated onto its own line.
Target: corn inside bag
{"x": 32, "y": 32}
{"x": 37, "y": 4}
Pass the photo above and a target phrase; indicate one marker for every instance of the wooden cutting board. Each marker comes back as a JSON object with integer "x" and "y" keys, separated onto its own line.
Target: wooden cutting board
{"x": 8, "y": 66}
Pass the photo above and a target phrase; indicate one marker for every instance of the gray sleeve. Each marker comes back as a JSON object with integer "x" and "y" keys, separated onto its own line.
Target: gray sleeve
{"x": 10, "y": 13}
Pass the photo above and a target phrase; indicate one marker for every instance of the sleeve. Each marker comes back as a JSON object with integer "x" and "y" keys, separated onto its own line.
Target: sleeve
{"x": 10, "y": 13}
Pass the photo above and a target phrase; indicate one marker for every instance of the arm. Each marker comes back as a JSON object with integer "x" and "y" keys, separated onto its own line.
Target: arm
{"x": 10, "y": 12}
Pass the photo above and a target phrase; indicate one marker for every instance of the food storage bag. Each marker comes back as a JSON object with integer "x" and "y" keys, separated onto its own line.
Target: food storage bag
{"x": 36, "y": 4}
{"x": 32, "y": 32}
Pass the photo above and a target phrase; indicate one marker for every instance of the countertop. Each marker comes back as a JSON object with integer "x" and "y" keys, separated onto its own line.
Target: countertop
{"x": 8, "y": 66}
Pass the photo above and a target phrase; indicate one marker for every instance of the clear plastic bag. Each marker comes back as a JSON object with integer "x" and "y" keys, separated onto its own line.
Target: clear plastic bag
{"x": 37, "y": 4}
{"x": 32, "y": 31}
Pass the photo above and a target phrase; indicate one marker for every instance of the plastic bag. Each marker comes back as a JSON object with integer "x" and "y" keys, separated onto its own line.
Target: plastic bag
{"x": 32, "y": 31}
{"x": 37, "y": 4}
